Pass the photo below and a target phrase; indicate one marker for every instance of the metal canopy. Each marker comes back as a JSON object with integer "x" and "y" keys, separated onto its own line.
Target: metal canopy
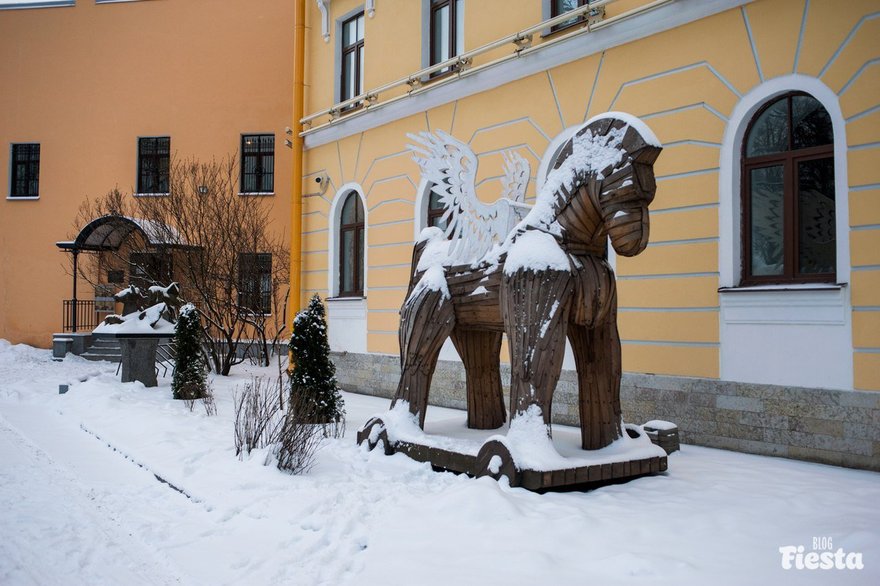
{"x": 109, "y": 232}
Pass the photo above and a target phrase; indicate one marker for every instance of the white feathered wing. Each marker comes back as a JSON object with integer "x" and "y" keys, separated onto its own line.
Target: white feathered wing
{"x": 450, "y": 167}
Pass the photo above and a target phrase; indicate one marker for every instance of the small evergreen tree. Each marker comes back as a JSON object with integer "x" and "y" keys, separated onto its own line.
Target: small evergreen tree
{"x": 313, "y": 389}
{"x": 189, "y": 381}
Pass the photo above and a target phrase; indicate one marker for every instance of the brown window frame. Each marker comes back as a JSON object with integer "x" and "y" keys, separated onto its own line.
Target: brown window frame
{"x": 357, "y": 229}
{"x": 452, "y": 37}
{"x": 789, "y": 160}
{"x": 435, "y": 214}
{"x": 253, "y": 267}
{"x": 358, "y": 49}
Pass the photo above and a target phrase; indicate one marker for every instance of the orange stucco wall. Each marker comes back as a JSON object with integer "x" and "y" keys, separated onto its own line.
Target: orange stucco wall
{"x": 85, "y": 81}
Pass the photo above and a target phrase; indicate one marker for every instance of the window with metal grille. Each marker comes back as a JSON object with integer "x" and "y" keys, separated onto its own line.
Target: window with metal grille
{"x": 352, "y": 80}
{"x": 351, "y": 247}
{"x": 255, "y": 281}
{"x": 154, "y": 162}
{"x": 151, "y": 268}
{"x": 25, "y": 180}
{"x": 258, "y": 163}
{"x": 447, "y": 31}
{"x": 788, "y": 196}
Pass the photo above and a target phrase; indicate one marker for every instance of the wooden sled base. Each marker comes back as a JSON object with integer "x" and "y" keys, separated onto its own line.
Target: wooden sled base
{"x": 495, "y": 460}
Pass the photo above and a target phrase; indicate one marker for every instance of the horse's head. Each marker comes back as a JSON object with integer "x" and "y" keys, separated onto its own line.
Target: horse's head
{"x": 612, "y": 162}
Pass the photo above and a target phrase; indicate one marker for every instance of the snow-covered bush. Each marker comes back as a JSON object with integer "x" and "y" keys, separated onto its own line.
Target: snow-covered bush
{"x": 314, "y": 394}
{"x": 190, "y": 378}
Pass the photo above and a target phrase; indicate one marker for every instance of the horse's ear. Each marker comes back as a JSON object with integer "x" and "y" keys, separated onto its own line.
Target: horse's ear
{"x": 639, "y": 150}
{"x": 646, "y": 155}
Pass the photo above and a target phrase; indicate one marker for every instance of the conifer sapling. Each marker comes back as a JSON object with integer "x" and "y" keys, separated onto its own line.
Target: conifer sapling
{"x": 189, "y": 381}
{"x": 313, "y": 382}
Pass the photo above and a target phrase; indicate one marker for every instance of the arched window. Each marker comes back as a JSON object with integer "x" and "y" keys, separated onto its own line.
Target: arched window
{"x": 435, "y": 211}
{"x": 788, "y": 193}
{"x": 351, "y": 247}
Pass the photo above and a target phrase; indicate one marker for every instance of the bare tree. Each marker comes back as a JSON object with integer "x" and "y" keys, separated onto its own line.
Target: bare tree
{"x": 228, "y": 260}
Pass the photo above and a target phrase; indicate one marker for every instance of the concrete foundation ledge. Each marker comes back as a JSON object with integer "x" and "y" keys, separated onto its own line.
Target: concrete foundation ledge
{"x": 828, "y": 426}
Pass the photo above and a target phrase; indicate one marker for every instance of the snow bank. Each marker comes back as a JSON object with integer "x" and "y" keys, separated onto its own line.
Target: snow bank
{"x": 74, "y": 509}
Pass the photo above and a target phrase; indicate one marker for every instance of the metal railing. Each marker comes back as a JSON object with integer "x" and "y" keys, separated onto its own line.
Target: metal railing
{"x": 463, "y": 63}
{"x": 78, "y": 316}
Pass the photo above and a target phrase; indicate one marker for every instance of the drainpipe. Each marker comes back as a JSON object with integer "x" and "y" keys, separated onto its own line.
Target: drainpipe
{"x": 299, "y": 63}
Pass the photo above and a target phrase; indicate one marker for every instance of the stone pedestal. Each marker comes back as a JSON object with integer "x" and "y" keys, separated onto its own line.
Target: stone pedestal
{"x": 139, "y": 360}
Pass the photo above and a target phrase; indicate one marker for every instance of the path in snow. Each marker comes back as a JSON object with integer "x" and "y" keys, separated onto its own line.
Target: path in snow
{"x": 74, "y": 511}
{"x": 53, "y": 528}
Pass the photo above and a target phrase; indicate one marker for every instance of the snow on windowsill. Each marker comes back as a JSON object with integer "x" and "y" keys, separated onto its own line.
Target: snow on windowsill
{"x": 781, "y": 287}
{"x": 166, "y": 194}
{"x": 257, "y": 193}
{"x": 22, "y": 197}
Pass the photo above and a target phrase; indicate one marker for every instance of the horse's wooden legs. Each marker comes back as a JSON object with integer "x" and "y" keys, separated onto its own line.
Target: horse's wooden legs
{"x": 480, "y": 353}
{"x": 426, "y": 320}
{"x": 535, "y": 305}
{"x": 597, "y": 356}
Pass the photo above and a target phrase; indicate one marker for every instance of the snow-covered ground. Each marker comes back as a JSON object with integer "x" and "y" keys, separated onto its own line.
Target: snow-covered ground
{"x": 81, "y": 503}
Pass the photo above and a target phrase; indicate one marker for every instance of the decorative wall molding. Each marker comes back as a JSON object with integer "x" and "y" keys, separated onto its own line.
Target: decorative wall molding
{"x": 676, "y": 14}
{"x": 325, "y": 19}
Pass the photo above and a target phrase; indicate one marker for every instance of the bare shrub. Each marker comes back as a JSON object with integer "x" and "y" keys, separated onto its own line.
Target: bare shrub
{"x": 258, "y": 416}
{"x": 300, "y": 439}
{"x": 207, "y": 402}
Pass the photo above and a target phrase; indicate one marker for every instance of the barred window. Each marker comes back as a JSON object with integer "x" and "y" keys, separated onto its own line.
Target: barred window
{"x": 154, "y": 162}
{"x": 255, "y": 281}
{"x": 25, "y": 170}
{"x": 258, "y": 163}
{"x": 151, "y": 268}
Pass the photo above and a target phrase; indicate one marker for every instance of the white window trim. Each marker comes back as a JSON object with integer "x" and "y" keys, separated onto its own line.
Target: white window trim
{"x": 729, "y": 180}
{"x": 337, "y": 58}
{"x": 755, "y": 322}
{"x": 333, "y": 234}
{"x": 426, "y": 32}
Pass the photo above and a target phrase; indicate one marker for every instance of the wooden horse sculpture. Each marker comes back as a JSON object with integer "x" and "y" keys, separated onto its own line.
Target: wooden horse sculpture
{"x": 545, "y": 280}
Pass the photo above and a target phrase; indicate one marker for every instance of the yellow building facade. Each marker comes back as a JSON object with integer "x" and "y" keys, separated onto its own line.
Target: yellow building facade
{"x": 726, "y": 328}
{"x": 696, "y": 73}
{"x": 86, "y": 80}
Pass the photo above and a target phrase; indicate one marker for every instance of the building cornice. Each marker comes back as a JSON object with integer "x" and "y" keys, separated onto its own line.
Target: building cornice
{"x": 538, "y": 59}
